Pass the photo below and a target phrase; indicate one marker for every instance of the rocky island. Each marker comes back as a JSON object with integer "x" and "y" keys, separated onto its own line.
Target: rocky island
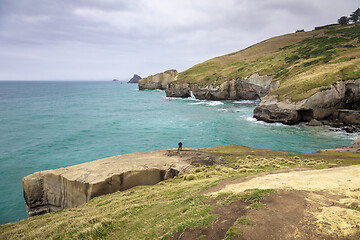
{"x": 134, "y": 79}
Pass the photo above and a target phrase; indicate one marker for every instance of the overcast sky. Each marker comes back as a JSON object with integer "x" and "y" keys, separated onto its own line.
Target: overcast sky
{"x": 106, "y": 39}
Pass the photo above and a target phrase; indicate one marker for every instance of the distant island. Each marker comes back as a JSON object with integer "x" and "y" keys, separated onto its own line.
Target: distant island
{"x": 115, "y": 80}
{"x": 135, "y": 79}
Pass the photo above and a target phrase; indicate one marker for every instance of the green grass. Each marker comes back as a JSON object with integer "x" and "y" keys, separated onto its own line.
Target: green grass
{"x": 255, "y": 195}
{"x": 232, "y": 232}
{"x": 158, "y": 211}
{"x": 257, "y": 205}
{"x": 245, "y": 221}
{"x": 298, "y": 61}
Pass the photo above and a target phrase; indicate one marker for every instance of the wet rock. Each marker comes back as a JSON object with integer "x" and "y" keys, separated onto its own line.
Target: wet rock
{"x": 315, "y": 122}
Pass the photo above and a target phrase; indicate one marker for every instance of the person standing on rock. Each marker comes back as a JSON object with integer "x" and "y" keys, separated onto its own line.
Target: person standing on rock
{"x": 180, "y": 146}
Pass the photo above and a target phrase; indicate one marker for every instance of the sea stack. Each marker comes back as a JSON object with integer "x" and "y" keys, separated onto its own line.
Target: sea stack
{"x": 135, "y": 79}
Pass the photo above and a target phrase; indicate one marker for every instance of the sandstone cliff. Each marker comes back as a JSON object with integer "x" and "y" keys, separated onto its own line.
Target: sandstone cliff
{"x": 338, "y": 105}
{"x": 72, "y": 186}
{"x": 249, "y": 88}
{"x": 158, "y": 81}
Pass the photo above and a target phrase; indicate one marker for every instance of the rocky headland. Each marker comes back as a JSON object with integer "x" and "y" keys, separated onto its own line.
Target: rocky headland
{"x": 158, "y": 81}
{"x": 309, "y": 77}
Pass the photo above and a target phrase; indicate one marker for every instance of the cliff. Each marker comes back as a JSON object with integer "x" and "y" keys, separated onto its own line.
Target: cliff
{"x": 51, "y": 190}
{"x": 249, "y": 88}
{"x": 304, "y": 76}
{"x": 135, "y": 79}
{"x": 233, "y": 188}
{"x": 339, "y": 106}
{"x": 158, "y": 81}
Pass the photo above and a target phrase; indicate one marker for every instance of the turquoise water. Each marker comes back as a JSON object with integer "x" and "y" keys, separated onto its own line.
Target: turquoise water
{"x": 47, "y": 125}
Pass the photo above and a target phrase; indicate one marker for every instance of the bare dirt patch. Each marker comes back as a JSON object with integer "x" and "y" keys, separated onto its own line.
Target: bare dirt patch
{"x": 284, "y": 216}
{"x": 308, "y": 204}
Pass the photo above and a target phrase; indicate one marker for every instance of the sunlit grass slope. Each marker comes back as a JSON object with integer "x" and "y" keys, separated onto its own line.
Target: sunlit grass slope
{"x": 153, "y": 212}
{"x": 303, "y": 62}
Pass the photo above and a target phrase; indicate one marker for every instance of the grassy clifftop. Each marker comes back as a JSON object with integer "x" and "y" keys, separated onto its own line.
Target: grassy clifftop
{"x": 304, "y": 63}
{"x": 183, "y": 205}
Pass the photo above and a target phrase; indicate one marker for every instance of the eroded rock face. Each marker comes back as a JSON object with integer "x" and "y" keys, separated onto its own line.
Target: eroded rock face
{"x": 250, "y": 88}
{"x": 158, "y": 81}
{"x": 72, "y": 186}
{"x": 339, "y": 104}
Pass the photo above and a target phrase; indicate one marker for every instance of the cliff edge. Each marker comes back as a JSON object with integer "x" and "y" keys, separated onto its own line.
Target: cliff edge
{"x": 254, "y": 193}
{"x": 51, "y": 190}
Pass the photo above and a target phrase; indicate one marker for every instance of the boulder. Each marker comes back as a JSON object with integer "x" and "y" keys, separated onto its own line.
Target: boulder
{"x": 315, "y": 122}
{"x": 357, "y": 143}
{"x": 135, "y": 79}
{"x": 72, "y": 186}
{"x": 272, "y": 113}
{"x": 158, "y": 81}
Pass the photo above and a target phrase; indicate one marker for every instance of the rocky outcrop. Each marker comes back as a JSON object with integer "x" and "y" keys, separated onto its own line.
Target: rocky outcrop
{"x": 72, "y": 186}
{"x": 158, "y": 81}
{"x": 357, "y": 143}
{"x": 135, "y": 79}
{"x": 178, "y": 90}
{"x": 250, "y": 88}
{"x": 338, "y": 105}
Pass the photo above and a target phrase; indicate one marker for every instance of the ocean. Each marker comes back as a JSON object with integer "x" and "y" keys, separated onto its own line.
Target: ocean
{"x": 48, "y": 125}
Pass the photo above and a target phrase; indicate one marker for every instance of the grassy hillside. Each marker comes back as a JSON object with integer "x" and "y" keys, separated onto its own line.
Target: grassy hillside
{"x": 304, "y": 62}
{"x": 159, "y": 211}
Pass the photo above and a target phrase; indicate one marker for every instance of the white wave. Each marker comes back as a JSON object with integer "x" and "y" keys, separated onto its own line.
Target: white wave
{"x": 222, "y": 110}
{"x": 251, "y": 119}
{"x": 254, "y": 120}
{"x": 214, "y": 103}
{"x": 247, "y": 101}
{"x": 242, "y": 110}
{"x": 209, "y": 103}
{"x": 192, "y": 97}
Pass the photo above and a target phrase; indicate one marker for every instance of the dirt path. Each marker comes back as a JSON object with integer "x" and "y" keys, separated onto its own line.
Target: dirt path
{"x": 331, "y": 203}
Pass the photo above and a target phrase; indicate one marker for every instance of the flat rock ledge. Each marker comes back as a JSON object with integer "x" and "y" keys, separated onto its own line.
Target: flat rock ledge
{"x": 52, "y": 190}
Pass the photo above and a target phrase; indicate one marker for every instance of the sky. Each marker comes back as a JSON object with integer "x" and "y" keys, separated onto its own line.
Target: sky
{"x": 108, "y": 39}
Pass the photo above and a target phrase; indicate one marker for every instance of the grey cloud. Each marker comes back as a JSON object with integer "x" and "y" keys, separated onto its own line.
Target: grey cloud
{"x": 87, "y": 39}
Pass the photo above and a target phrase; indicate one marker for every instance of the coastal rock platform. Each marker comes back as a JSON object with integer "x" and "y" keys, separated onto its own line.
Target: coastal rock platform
{"x": 51, "y": 190}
